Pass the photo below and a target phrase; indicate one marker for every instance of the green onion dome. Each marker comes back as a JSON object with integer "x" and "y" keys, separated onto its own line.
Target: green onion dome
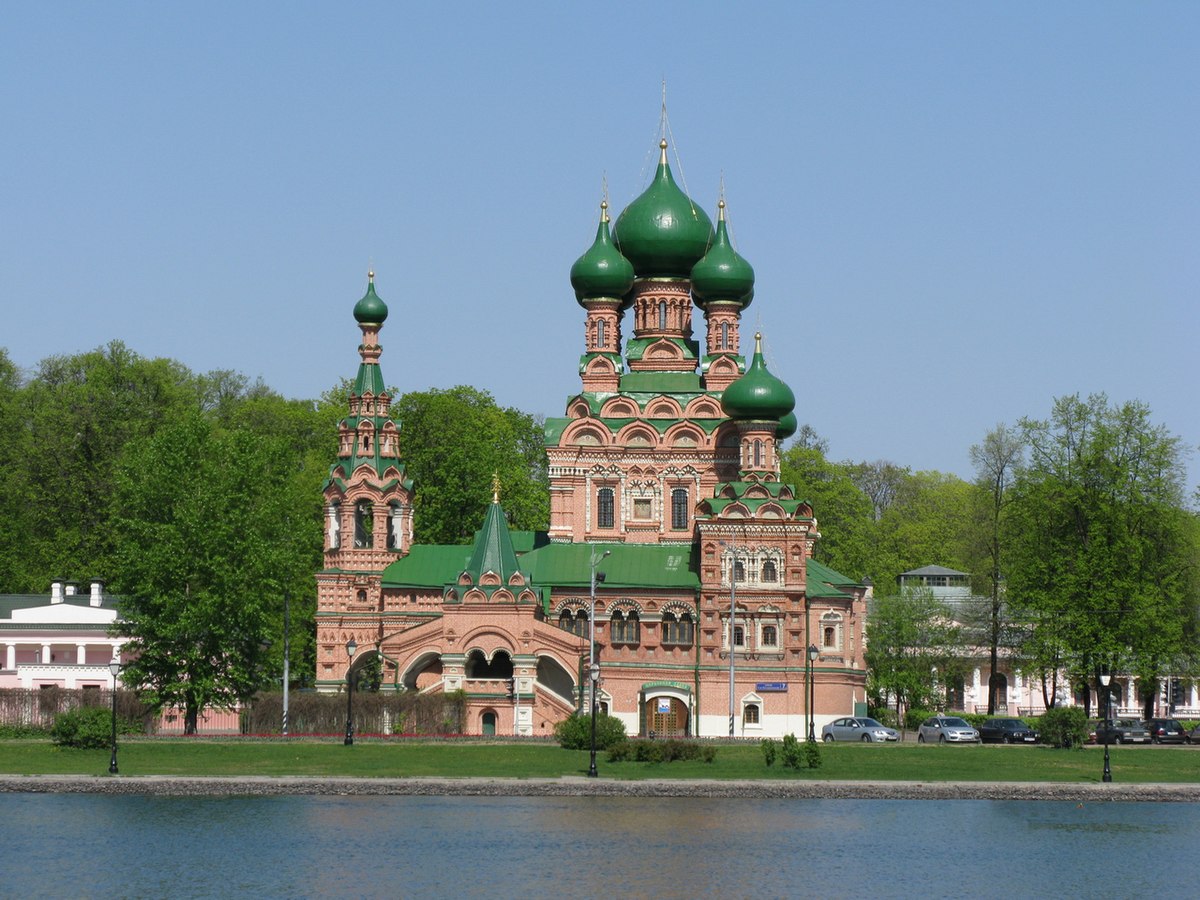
{"x": 662, "y": 232}
{"x": 787, "y": 427}
{"x": 602, "y": 271}
{"x": 758, "y": 394}
{"x": 370, "y": 310}
{"x": 723, "y": 274}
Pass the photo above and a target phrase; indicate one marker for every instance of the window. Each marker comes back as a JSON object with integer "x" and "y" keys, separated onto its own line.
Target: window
{"x": 757, "y": 454}
{"x": 642, "y": 508}
{"x": 677, "y": 630}
{"x": 739, "y": 570}
{"x": 662, "y": 315}
{"x": 724, "y": 335}
{"x": 769, "y": 572}
{"x": 625, "y": 627}
{"x": 575, "y": 622}
{"x": 830, "y": 636}
{"x": 679, "y": 508}
{"x": 604, "y": 508}
{"x": 364, "y": 525}
{"x": 600, "y": 334}
{"x": 831, "y": 631}
{"x": 750, "y": 714}
{"x": 739, "y": 636}
{"x": 770, "y": 636}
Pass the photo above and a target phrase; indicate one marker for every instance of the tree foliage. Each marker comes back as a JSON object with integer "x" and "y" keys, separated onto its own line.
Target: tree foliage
{"x": 1100, "y": 544}
{"x": 453, "y": 442}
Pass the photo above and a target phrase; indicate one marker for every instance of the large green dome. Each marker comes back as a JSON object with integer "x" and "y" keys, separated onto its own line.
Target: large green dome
{"x": 663, "y": 233}
{"x": 758, "y": 394}
{"x": 723, "y": 274}
{"x": 370, "y": 310}
{"x": 602, "y": 271}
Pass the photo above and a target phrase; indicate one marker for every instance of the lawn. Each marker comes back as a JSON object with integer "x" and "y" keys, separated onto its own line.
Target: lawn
{"x": 410, "y": 757}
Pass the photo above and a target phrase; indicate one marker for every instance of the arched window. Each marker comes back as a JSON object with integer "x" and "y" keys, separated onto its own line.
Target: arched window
{"x": 769, "y": 572}
{"x": 739, "y": 570}
{"x": 604, "y": 508}
{"x": 770, "y": 636}
{"x": 758, "y": 454}
{"x": 679, "y": 508}
{"x": 831, "y": 631}
{"x": 364, "y": 524}
{"x": 750, "y": 714}
{"x": 625, "y": 628}
{"x": 678, "y": 630}
{"x": 739, "y": 636}
{"x": 724, "y": 335}
{"x": 575, "y": 622}
{"x": 600, "y": 323}
{"x": 662, "y": 315}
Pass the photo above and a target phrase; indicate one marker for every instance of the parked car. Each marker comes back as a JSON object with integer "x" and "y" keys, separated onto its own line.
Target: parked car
{"x": 1121, "y": 731}
{"x": 1007, "y": 731}
{"x": 946, "y": 729}
{"x": 1194, "y": 735}
{"x": 1166, "y": 731}
{"x": 858, "y": 728}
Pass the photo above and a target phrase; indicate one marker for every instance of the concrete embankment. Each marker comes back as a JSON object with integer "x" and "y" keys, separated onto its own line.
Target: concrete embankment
{"x": 170, "y": 785}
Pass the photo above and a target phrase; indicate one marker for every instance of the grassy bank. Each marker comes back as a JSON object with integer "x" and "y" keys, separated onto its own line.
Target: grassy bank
{"x": 385, "y": 758}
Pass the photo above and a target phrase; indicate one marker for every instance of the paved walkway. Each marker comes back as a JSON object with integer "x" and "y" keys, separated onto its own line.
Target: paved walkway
{"x": 576, "y": 786}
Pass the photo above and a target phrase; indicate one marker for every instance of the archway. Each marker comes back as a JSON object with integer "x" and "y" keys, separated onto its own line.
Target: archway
{"x": 487, "y": 723}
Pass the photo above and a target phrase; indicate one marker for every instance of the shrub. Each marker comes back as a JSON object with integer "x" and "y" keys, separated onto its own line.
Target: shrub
{"x": 769, "y": 749}
{"x": 1064, "y": 726}
{"x": 790, "y": 754}
{"x": 89, "y": 728}
{"x": 659, "y": 751}
{"x": 708, "y": 753}
{"x": 913, "y": 718}
{"x": 972, "y": 719}
{"x": 575, "y": 731}
{"x": 812, "y": 754}
{"x": 8, "y": 732}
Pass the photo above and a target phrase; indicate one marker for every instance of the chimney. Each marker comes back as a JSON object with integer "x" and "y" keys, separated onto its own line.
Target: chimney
{"x": 56, "y": 592}
{"x": 97, "y": 594}
{"x": 71, "y": 588}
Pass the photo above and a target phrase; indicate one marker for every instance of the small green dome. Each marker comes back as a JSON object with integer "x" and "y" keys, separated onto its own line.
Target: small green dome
{"x": 370, "y": 309}
{"x": 723, "y": 274}
{"x": 758, "y": 394}
{"x": 602, "y": 271}
{"x": 662, "y": 232}
{"x": 787, "y": 427}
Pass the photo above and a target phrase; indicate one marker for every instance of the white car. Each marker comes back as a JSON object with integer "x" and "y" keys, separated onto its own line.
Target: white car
{"x": 947, "y": 730}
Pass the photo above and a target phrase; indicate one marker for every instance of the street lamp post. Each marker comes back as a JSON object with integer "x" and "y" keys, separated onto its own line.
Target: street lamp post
{"x": 115, "y": 668}
{"x": 593, "y": 668}
{"x": 813, "y": 653}
{"x": 1105, "y": 678}
{"x": 351, "y": 647}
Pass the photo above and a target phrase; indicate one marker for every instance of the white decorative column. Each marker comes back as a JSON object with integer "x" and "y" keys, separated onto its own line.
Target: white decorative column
{"x": 81, "y": 654}
{"x": 44, "y": 658}
{"x": 10, "y": 656}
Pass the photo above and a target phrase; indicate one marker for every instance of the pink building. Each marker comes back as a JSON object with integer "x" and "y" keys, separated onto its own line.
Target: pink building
{"x": 709, "y": 611}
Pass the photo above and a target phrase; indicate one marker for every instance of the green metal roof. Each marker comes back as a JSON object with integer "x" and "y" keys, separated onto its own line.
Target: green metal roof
{"x": 661, "y": 383}
{"x": 428, "y": 566}
{"x": 629, "y": 565}
{"x": 825, "y": 582}
{"x": 493, "y": 547}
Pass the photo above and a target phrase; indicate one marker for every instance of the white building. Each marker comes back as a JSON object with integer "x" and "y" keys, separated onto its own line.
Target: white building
{"x": 62, "y": 640}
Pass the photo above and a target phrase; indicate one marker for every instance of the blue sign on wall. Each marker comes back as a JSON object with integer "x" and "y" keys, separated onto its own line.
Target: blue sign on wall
{"x": 771, "y": 687}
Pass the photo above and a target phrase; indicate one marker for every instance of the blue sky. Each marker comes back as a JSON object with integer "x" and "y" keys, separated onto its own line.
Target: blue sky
{"x": 956, "y": 212}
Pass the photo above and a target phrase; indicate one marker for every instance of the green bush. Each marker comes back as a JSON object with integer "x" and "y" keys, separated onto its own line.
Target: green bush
{"x": 660, "y": 751}
{"x": 769, "y": 749}
{"x": 972, "y": 719}
{"x": 885, "y": 716}
{"x": 575, "y": 731}
{"x": 914, "y": 717}
{"x": 88, "y": 728}
{"x": 812, "y": 754}
{"x": 9, "y": 732}
{"x": 1064, "y": 726}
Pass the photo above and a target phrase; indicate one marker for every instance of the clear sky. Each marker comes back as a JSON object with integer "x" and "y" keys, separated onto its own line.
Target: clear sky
{"x": 956, "y": 211}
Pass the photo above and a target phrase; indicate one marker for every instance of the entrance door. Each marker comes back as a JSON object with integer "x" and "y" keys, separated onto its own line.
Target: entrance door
{"x": 666, "y": 717}
{"x": 489, "y": 724}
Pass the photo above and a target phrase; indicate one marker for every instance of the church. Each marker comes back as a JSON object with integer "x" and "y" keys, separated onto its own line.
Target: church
{"x": 676, "y": 579}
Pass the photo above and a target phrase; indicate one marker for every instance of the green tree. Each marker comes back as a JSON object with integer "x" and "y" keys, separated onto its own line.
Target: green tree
{"x": 909, "y": 636}
{"x": 213, "y": 526}
{"x": 14, "y": 483}
{"x": 997, "y": 461}
{"x": 928, "y": 521}
{"x": 1101, "y": 542}
{"x": 452, "y": 443}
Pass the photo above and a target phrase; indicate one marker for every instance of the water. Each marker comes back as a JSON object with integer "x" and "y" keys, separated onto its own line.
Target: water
{"x": 138, "y": 846}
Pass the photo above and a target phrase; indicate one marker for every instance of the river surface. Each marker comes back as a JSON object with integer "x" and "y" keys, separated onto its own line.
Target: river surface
{"x": 57, "y": 845}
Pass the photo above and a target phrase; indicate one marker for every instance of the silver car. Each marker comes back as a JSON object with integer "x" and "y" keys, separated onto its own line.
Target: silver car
{"x": 858, "y": 728}
{"x": 946, "y": 730}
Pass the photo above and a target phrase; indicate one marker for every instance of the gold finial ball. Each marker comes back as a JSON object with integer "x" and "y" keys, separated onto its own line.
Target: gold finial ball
{"x": 720, "y": 204}
{"x": 662, "y": 145}
{"x": 371, "y": 274}
{"x": 604, "y": 204}
{"x": 758, "y": 335}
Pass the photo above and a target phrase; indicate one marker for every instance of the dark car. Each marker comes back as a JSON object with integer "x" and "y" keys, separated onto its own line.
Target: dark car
{"x": 1194, "y": 735}
{"x": 1166, "y": 731}
{"x": 1007, "y": 731}
{"x": 1121, "y": 731}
